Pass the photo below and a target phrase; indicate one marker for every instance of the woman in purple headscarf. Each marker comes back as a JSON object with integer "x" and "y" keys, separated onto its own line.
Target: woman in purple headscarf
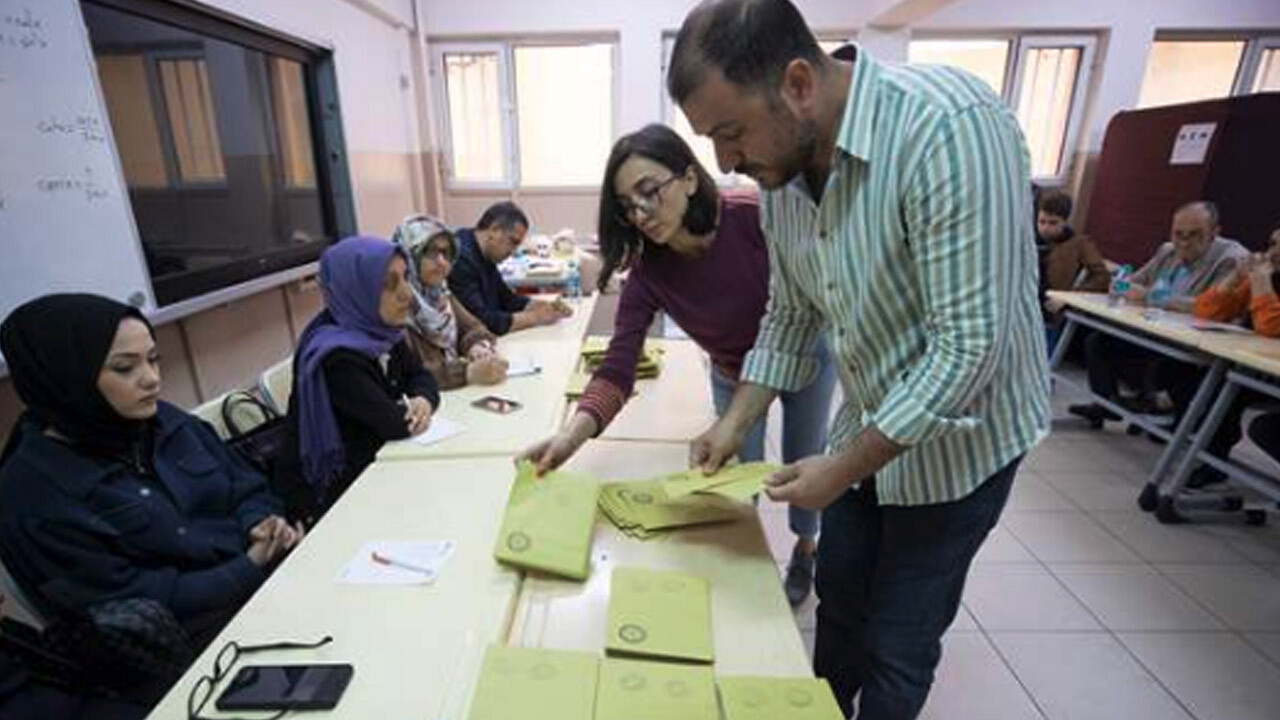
{"x": 356, "y": 383}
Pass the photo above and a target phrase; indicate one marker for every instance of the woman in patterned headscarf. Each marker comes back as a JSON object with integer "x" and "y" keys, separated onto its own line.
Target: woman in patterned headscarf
{"x": 451, "y": 342}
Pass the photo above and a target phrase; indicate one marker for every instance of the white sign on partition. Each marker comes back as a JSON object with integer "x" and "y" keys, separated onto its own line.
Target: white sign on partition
{"x": 1192, "y": 144}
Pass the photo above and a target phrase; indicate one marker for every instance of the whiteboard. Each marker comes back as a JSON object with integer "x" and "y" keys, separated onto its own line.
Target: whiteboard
{"x": 65, "y": 220}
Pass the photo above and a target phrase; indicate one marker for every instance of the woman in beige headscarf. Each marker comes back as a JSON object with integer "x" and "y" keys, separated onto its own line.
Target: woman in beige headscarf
{"x": 452, "y": 343}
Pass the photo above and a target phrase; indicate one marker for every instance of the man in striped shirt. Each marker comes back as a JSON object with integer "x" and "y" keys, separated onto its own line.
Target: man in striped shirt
{"x": 897, "y": 210}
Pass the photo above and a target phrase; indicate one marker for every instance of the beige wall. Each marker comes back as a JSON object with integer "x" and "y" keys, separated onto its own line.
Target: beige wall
{"x": 386, "y": 189}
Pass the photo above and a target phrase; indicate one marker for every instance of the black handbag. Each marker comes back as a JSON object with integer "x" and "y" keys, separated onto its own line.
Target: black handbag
{"x": 257, "y": 431}
{"x": 134, "y": 645}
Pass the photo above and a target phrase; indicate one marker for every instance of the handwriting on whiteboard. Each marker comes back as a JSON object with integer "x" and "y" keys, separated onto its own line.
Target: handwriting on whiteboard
{"x": 85, "y": 184}
{"x": 86, "y": 127}
{"x": 23, "y": 30}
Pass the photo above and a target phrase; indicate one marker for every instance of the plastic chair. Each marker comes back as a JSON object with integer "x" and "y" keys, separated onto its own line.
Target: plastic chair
{"x": 211, "y": 412}
{"x": 276, "y": 384}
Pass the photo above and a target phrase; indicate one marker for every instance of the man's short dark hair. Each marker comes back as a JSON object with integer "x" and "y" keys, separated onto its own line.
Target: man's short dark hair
{"x": 1209, "y": 207}
{"x": 749, "y": 41}
{"x": 505, "y": 216}
{"x": 1056, "y": 203}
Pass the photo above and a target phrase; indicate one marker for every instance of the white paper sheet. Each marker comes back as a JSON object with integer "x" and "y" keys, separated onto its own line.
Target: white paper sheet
{"x": 521, "y": 365}
{"x": 1192, "y": 144}
{"x": 441, "y": 428}
{"x": 428, "y": 557}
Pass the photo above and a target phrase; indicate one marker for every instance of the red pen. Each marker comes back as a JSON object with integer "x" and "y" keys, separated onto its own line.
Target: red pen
{"x": 390, "y": 561}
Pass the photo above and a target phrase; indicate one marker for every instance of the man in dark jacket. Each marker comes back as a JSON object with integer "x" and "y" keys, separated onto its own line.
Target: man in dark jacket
{"x": 475, "y": 279}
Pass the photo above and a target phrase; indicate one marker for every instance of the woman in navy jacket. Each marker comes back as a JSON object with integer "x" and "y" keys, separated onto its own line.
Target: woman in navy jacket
{"x": 108, "y": 493}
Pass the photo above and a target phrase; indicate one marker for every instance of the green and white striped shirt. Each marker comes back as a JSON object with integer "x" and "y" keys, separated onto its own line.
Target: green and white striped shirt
{"x": 920, "y": 264}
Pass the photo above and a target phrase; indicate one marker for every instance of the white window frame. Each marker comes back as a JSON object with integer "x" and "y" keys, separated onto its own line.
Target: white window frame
{"x": 1251, "y": 61}
{"x": 509, "y": 104}
{"x": 506, "y": 119}
{"x": 1079, "y": 93}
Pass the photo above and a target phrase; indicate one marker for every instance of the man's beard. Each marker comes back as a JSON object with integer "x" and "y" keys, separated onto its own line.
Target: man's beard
{"x": 800, "y": 138}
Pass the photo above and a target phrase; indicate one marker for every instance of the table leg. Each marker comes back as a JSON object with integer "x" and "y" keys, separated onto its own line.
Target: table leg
{"x": 1150, "y": 497}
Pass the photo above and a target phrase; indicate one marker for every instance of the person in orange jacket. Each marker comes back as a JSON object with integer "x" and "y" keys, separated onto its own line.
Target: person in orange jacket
{"x": 1250, "y": 290}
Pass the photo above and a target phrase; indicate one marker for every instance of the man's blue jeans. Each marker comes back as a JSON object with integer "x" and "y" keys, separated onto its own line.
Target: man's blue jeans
{"x": 889, "y": 581}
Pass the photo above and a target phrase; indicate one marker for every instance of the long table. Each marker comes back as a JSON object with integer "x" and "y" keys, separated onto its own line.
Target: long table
{"x": 412, "y": 646}
{"x": 1256, "y": 360}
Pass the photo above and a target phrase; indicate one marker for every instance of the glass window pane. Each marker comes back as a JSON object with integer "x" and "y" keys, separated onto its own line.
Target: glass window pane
{"x": 215, "y": 141}
{"x": 985, "y": 58}
{"x": 133, "y": 120}
{"x": 1268, "y": 79}
{"x": 475, "y": 120}
{"x": 564, "y": 106}
{"x": 293, "y": 128}
{"x": 1044, "y": 104}
{"x": 1180, "y": 71}
{"x": 191, "y": 119}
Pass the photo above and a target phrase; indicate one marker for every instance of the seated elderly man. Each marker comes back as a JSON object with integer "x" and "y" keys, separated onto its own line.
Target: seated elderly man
{"x": 1194, "y": 259}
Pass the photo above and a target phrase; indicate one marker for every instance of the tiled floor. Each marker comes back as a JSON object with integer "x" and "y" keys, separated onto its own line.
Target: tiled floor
{"x": 1080, "y": 606}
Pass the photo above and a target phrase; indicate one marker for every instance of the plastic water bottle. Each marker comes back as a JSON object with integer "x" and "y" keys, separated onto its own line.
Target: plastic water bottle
{"x": 575, "y": 280}
{"x": 1119, "y": 285}
{"x": 1160, "y": 292}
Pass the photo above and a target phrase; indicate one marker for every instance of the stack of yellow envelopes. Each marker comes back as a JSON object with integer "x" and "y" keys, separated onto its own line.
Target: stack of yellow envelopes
{"x": 648, "y": 366}
{"x": 771, "y": 698}
{"x": 642, "y": 509}
{"x": 531, "y": 683}
{"x": 635, "y": 690}
{"x": 548, "y": 522}
{"x": 736, "y": 482}
{"x": 659, "y": 614}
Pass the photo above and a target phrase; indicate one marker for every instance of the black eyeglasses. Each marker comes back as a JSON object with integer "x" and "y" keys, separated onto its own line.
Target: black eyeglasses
{"x": 435, "y": 253}
{"x": 647, "y": 199}
{"x": 222, "y": 664}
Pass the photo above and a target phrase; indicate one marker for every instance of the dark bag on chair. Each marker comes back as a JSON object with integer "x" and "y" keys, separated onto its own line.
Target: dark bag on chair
{"x": 258, "y": 433}
{"x": 134, "y": 646}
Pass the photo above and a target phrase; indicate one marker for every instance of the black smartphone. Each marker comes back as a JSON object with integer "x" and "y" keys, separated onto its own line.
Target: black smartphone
{"x": 496, "y": 404}
{"x": 286, "y": 687}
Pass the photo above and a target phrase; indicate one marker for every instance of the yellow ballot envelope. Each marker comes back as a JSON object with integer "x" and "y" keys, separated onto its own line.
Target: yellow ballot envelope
{"x": 535, "y": 684}
{"x": 653, "y": 613}
{"x": 737, "y": 482}
{"x": 637, "y": 690}
{"x": 771, "y": 698}
{"x": 548, "y": 522}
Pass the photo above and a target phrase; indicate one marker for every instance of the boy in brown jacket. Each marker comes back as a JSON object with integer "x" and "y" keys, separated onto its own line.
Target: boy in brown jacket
{"x": 1067, "y": 261}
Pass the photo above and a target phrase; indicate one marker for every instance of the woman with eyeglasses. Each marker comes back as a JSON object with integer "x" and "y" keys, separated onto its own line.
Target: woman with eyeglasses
{"x": 699, "y": 256}
{"x": 451, "y": 342}
{"x": 108, "y": 493}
